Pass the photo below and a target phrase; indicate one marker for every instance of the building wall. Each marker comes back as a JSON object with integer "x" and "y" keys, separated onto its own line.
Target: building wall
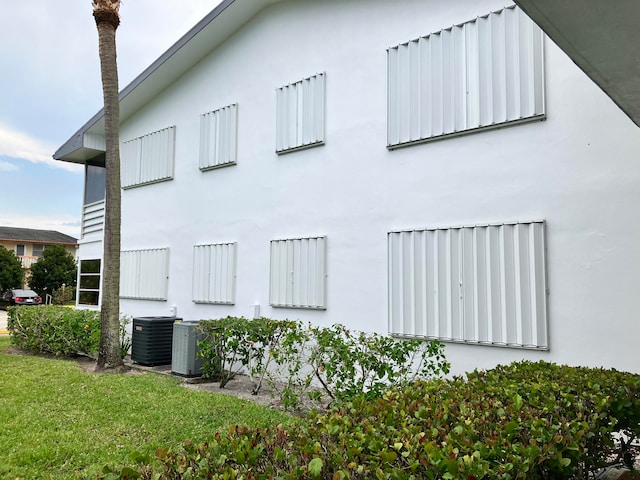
{"x": 576, "y": 170}
{"x": 29, "y": 256}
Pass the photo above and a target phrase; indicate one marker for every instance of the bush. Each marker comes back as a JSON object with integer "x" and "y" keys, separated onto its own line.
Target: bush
{"x": 63, "y": 295}
{"x": 234, "y": 344}
{"x": 60, "y": 330}
{"x": 358, "y": 363}
{"x": 301, "y": 362}
{"x": 522, "y": 421}
{"x": 56, "y": 330}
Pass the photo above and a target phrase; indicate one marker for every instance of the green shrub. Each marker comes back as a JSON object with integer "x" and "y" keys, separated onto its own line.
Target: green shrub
{"x": 234, "y": 344}
{"x": 63, "y": 295}
{"x": 607, "y": 401}
{"x": 523, "y": 421}
{"x": 295, "y": 360}
{"x": 53, "y": 329}
{"x": 60, "y": 330}
{"x": 288, "y": 370}
{"x": 352, "y": 363}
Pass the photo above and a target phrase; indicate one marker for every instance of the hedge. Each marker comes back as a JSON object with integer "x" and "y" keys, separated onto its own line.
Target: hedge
{"x": 55, "y": 330}
{"x": 521, "y": 421}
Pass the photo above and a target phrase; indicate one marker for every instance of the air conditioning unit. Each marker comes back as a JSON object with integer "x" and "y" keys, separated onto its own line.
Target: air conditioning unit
{"x": 184, "y": 354}
{"x": 151, "y": 340}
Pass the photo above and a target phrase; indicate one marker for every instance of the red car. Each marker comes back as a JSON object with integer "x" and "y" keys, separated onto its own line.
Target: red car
{"x": 22, "y": 297}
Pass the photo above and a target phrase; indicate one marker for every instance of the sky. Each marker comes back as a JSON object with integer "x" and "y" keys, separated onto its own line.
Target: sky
{"x": 50, "y": 86}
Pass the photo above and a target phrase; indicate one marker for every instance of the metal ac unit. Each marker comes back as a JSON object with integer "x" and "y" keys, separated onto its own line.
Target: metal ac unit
{"x": 184, "y": 354}
{"x": 151, "y": 340}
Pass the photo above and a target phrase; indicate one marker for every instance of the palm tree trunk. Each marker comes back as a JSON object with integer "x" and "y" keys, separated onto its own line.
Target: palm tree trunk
{"x": 107, "y": 21}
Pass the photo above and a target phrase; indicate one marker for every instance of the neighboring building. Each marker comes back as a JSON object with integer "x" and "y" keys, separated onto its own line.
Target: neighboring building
{"x": 368, "y": 163}
{"x": 28, "y": 244}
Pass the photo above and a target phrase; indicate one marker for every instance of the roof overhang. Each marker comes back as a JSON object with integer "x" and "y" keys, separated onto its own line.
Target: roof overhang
{"x": 228, "y": 17}
{"x": 602, "y": 38}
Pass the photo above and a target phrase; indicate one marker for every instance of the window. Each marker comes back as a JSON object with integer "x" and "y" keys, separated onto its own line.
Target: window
{"x": 214, "y": 273}
{"x": 479, "y": 284}
{"x": 300, "y": 114}
{"x": 38, "y": 249}
{"x": 298, "y": 273}
{"x": 148, "y": 159}
{"x": 20, "y": 250}
{"x": 218, "y": 137}
{"x": 480, "y": 74}
{"x": 144, "y": 274}
{"x": 94, "y": 184}
{"x": 89, "y": 285}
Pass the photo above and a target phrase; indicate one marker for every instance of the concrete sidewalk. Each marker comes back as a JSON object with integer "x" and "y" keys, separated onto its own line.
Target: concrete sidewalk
{"x": 3, "y": 323}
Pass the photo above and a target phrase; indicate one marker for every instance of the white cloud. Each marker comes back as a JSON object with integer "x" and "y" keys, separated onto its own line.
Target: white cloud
{"x": 21, "y": 146}
{"x": 8, "y": 166}
{"x": 61, "y": 223}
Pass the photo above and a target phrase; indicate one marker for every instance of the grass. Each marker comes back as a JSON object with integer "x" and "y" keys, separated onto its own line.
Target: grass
{"x": 58, "y": 422}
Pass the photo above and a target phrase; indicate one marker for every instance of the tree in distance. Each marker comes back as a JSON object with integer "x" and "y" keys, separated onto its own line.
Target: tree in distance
{"x": 11, "y": 273}
{"x": 53, "y": 269}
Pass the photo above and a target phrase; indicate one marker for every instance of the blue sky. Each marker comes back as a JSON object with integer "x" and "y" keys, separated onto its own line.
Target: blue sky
{"x": 50, "y": 86}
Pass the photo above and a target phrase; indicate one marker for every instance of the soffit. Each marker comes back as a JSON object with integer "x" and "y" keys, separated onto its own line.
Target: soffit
{"x": 602, "y": 38}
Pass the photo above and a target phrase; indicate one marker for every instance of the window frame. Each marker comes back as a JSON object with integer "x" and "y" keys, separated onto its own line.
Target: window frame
{"x": 39, "y": 250}
{"x": 89, "y": 274}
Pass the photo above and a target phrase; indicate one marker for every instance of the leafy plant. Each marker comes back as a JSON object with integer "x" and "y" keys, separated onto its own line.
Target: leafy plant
{"x": 301, "y": 362}
{"x": 52, "y": 270}
{"x": 60, "y": 330}
{"x": 526, "y": 421}
{"x": 63, "y": 295}
{"x": 125, "y": 339}
{"x": 351, "y": 363}
{"x": 56, "y": 330}
{"x": 231, "y": 345}
{"x": 11, "y": 272}
{"x": 288, "y": 371}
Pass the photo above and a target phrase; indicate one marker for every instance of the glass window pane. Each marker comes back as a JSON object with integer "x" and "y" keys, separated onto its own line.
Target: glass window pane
{"x": 90, "y": 281}
{"x": 38, "y": 249}
{"x": 88, "y": 298}
{"x": 94, "y": 184}
{"x": 90, "y": 266}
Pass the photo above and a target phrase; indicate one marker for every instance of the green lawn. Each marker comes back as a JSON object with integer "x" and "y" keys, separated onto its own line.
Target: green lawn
{"x": 58, "y": 422}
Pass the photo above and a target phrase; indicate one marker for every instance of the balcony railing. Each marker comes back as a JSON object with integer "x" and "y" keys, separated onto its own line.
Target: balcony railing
{"x": 27, "y": 260}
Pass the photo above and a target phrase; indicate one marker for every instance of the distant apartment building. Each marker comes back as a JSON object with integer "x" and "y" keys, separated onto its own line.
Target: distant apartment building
{"x": 28, "y": 244}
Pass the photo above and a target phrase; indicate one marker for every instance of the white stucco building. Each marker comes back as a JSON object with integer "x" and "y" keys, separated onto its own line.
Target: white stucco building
{"x": 423, "y": 168}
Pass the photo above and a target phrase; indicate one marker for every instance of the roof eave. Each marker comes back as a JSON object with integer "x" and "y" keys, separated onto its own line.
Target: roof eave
{"x": 166, "y": 69}
{"x": 601, "y": 38}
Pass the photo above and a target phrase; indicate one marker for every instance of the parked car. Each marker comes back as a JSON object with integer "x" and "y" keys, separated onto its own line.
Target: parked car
{"x": 21, "y": 297}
